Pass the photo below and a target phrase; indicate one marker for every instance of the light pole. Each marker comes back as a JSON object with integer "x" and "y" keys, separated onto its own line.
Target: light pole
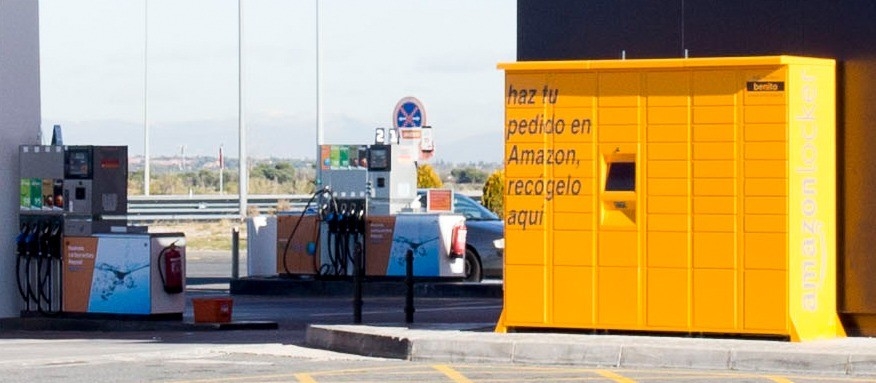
{"x": 319, "y": 127}
{"x": 242, "y": 176}
{"x": 146, "y": 174}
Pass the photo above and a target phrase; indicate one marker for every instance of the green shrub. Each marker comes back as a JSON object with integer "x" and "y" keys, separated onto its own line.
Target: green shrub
{"x": 427, "y": 177}
{"x": 494, "y": 189}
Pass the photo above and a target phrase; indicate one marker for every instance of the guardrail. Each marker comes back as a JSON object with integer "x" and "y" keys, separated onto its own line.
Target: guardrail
{"x": 210, "y": 207}
{"x": 205, "y": 207}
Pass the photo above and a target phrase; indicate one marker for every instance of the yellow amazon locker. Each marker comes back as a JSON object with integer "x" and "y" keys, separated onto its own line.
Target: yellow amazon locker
{"x": 673, "y": 195}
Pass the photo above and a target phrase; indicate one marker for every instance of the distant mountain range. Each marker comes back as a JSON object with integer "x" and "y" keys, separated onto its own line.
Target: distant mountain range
{"x": 264, "y": 139}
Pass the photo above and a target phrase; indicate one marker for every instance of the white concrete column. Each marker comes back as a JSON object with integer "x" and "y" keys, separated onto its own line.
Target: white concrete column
{"x": 19, "y": 124}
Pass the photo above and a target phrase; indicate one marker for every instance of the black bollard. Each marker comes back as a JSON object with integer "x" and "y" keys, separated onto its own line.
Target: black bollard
{"x": 235, "y": 252}
{"x": 409, "y": 281}
{"x": 357, "y": 285}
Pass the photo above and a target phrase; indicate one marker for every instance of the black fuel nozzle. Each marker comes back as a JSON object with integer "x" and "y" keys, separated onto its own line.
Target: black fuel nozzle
{"x": 360, "y": 219}
{"x": 45, "y": 240}
{"x": 31, "y": 241}
{"x": 21, "y": 240}
{"x": 55, "y": 240}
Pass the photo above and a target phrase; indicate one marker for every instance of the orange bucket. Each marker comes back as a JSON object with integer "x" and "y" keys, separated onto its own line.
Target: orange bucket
{"x": 212, "y": 310}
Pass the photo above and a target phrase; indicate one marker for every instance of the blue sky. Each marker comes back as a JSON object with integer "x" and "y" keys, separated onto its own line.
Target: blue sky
{"x": 373, "y": 53}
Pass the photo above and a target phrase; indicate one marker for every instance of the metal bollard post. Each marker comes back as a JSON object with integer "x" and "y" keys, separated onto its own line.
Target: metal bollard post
{"x": 357, "y": 285}
{"x": 409, "y": 281}
{"x": 235, "y": 252}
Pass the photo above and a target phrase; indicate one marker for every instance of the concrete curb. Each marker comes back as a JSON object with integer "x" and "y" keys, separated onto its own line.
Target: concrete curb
{"x": 115, "y": 325}
{"x": 380, "y": 288}
{"x": 843, "y": 356}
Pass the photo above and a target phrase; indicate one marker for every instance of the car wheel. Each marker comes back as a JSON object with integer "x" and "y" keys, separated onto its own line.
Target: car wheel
{"x": 473, "y": 270}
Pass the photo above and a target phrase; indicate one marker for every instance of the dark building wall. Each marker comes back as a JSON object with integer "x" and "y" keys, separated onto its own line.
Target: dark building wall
{"x": 596, "y": 29}
{"x": 844, "y": 30}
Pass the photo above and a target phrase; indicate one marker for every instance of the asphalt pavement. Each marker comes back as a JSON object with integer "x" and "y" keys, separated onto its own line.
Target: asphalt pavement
{"x": 458, "y": 330}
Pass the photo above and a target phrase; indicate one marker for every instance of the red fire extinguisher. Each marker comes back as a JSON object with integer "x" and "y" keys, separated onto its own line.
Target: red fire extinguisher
{"x": 170, "y": 269}
{"x": 457, "y": 240}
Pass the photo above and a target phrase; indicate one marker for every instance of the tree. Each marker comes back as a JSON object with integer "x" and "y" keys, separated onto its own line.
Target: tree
{"x": 494, "y": 188}
{"x": 280, "y": 172}
{"x": 427, "y": 177}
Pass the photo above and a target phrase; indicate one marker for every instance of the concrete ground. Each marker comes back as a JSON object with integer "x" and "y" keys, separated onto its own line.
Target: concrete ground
{"x": 454, "y": 330}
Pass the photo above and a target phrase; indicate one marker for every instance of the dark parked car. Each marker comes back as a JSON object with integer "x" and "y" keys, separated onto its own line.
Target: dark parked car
{"x": 484, "y": 241}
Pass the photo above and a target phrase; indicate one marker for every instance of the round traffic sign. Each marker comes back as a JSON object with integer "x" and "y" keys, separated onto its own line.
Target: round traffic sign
{"x": 409, "y": 113}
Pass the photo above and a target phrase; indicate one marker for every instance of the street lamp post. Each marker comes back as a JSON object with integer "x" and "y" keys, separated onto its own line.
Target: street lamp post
{"x": 319, "y": 127}
{"x": 146, "y": 174}
{"x": 242, "y": 176}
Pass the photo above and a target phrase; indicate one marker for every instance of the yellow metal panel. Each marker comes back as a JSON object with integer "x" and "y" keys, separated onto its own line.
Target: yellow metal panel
{"x": 714, "y": 87}
{"x": 714, "y": 222}
{"x": 766, "y": 205}
{"x": 714, "y": 115}
{"x": 714, "y": 299}
{"x": 668, "y": 298}
{"x": 573, "y": 221}
{"x": 714, "y": 132}
{"x": 766, "y": 223}
{"x": 667, "y": 133}
{"x": 521, "y": 125}
{"x": 572, "y": 90}
{"x": 766, "y": 151}
{"x": 627, "y": 132}
{"x": 765, "y": 301}
{"x": 580, "y": 203}
{"x": 523, "y": 90}
{"x": 526, "y": 159}
{"x": 714, "y": 187}
{"x": 524, "y": 299}
{"x": 618, "y": 248}
{"x": 618, "y": 89}
{"x": 765, "y": 114}
{"x": 668, "y": 205}
{"x": 667, "y": 115}
{"x": 668, "y": 222}
{"x": 618, "y": 116}
{"x": 667, "y": 88}
{"x": 524, "y": 247}
{"x": 766, "y": 132}
{"x": 667, "y": 249}
{"x": 583, "y": 152}
{"x": 714, "y": 169}
{"x": 812, "y": 203}
{"x": 766, "y": 251}
{"x": 667, "y": 169}
{"x": 764, "y": 88}
{"x": 573, "y": 248}
{"x": 573, "y": 299}
{"x": 521, "y": 202}
{"x": 714, "y": 250}
{"x": 767, "y": 187}
{"x": 714, "y": 205}
{"x": 573, "y": 124}
{"x": 667, "y": 186}
{"x": 617, "y": 297}
{"x": 766, "y": 169}
{"x": 714, "y": 151}
{"x": 665, "y": 151}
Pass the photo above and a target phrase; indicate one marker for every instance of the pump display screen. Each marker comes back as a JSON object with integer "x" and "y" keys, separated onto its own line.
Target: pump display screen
{"x": 77, "y": 163}
{"x": 621, "y": 177}
{"x": 378, "y": 158}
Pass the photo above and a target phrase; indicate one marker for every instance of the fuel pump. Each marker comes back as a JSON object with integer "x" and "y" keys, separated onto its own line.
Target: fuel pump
{"x": 75, "y": 253}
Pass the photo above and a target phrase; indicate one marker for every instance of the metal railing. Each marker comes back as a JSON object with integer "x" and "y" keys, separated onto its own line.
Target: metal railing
{"x": 205, "y": 207}
{"x": 211, "y": 207}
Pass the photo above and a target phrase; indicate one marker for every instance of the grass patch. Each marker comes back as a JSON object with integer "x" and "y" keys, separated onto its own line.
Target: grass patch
{"x": 204, "y": 235}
